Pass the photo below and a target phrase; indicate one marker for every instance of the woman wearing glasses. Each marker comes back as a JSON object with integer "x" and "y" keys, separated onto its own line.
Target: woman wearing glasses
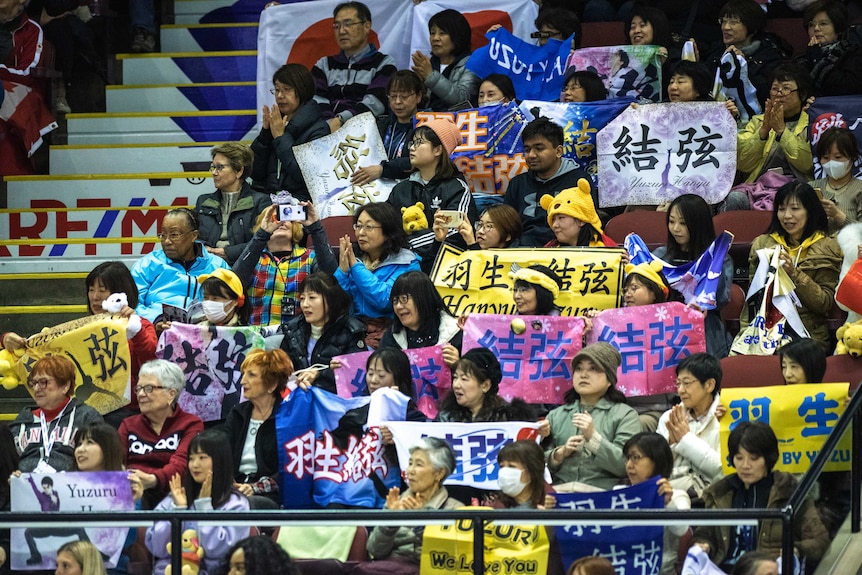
{"x": 294, "y": 119}
{"x": 169, "y": 275}
{"x": 227, "y": 215}
{"x": 44, "y": 434}
{"x": 368, "y": 273}
{"x": 158, "y": 438}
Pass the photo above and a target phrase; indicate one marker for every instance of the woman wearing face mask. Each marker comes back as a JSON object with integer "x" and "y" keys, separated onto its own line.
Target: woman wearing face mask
{"x": 837, "y": 151}
{"x": 224, "y": 301}
{"x": 522, "y": 477}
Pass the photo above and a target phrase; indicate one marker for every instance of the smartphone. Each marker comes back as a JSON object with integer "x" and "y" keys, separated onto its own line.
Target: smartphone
{"x": 453, "y": 218}
{"x": 819, "y": 193}
{"x": 291, "y": 213}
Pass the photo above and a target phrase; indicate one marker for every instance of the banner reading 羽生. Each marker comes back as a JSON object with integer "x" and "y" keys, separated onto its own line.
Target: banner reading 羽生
{"x": 432, "y": 378}
{"x": 477, "y": 281}
{"x": 653, "y": 154}
{"x": 211, "y": 358}
{"x": 535, "y": 352}
{"x": 328, "y": 163}
{"x": 652, "y": 340}
{"x": 802, "y": 416}
{"x": 35, "y": 548}
{"x": 98, "y": 347}
{"x": 476, "y": 446}
{"x": 835, "y": 111}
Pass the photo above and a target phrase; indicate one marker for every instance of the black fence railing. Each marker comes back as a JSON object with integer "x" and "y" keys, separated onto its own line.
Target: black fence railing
{"x": 787, "y": 515}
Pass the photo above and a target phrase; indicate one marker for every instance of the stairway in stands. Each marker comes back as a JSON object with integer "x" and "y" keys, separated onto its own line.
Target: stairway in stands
{"x": 150, "y": 148}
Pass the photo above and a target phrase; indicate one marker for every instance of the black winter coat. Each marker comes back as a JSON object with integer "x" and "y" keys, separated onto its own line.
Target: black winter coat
{"x": 240, "y": 221}
{"x": 265, "y": 444}
{"x": 345, "y": 334}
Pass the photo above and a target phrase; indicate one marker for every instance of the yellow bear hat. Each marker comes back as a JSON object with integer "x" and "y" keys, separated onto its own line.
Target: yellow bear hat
{"x": 575, "y": 202}
{"x": 651, "y": 271}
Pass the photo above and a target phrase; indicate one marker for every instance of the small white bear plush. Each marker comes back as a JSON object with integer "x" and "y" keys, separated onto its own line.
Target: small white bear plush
{"x": 114, "y": 304}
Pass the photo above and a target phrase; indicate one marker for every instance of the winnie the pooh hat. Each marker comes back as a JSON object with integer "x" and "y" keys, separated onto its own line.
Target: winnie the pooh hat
{"x": 649, "y": 270}
{"x": 575, "y": 202}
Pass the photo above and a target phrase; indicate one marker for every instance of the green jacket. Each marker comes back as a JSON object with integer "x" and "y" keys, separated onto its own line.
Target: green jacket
{"x": 752, "y": 152}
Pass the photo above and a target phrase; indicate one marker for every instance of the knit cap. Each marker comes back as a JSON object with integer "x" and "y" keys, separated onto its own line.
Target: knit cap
{"x": 230, "y": 278}
{"x": 575, "y": 202}
{"x": 604, "y": 355}
{"x": 447, "y": 131}
{"x": 649, "y": 270}
{"x": 485, "y": 360}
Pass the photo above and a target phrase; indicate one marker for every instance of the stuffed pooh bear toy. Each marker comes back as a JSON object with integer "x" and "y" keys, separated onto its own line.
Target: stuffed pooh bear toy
{"x": 114, "y": 304}
{"x": 414, "y": 218}
{"x": 849, "y": 339}
{"x": 192, "y": 552}
{"x": 8, "y": 378}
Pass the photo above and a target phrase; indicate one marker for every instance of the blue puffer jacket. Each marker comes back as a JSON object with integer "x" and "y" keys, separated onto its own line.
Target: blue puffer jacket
{"x": 370, "y": 288}
{"x": 162, "y": 280}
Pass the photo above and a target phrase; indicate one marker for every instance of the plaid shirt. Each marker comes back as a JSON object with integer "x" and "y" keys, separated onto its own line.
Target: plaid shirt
{"x": 275, "y": 284}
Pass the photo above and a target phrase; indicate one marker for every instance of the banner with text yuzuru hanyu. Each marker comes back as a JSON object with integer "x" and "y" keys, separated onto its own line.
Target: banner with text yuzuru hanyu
{"x": 802, "y": 417}
{"x": 477, "y": 281}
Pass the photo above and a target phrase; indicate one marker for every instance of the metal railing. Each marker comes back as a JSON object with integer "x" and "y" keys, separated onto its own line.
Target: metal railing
{"x": 601, "y": 517}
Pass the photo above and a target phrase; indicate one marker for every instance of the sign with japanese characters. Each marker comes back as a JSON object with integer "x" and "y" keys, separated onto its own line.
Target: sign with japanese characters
{"x": 631, "y": 549}
{"x": 535, "y": 352}
{"x": 98, "y": 347}
{"x": 35, "y": 548}
{"x": 211, "y": 358}
{"x": 328, "y": 163}
{"x": 581, "y": 122}
{"x": 476, "y": 446}
{"x": 652, "y": 340}
{"x": 432, "y": 378}
{"x": 802, "y": 417}
{"x": 325, "y": 456}
{"x": 509, "y": 549}
{"x": 477, "y": 281}
{"x": 627, "y": 71}
{"x": 652, "y": 154}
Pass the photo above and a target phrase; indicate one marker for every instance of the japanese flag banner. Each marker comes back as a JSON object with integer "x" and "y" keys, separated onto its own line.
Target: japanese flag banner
{"x": 328, "y": 163}
{"x": 653, "y": 154}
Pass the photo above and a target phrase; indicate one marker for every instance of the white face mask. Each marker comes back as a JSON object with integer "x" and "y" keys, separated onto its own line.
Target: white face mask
{"x": 510, "y": 482}
{"x": 216, "y": 311}
{"x": 836, "y": 169}
{"x": 494, "y": 103}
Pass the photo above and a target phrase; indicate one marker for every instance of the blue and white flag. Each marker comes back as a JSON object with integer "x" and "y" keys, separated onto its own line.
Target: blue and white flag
{"x": 731, "y": 81}
{"x": 536, "y": 71}
{"x": 633, "y": 549}
{"x": 697, "y": 280}
{"x": 323, "y": 460}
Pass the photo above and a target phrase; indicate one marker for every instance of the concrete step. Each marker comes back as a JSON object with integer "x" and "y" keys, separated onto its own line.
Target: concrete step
{"x": 211, "y": 11}
{"x": 208, "y": 37}
{"x": 189, "y": 67}
{"x": 159, "y": 127}
{"x": 130, "y": 159}
{"x": 66, "y": 223}
{"x": 181, "y": 97}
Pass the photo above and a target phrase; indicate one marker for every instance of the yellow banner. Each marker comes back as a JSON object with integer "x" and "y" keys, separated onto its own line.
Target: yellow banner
{"x": 98, "y": 347}
{"x": 509, "y": 549}
{"x": 477, "y": 281}
{"x": 802, "y": 416}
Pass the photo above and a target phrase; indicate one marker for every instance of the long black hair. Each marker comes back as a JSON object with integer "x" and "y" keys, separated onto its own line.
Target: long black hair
{"x": 215, "y": 443}
{"x": 426, "y": 298}
{"x": 697, "y": 215}
{"x": 816, "y": 220}
{"x": 263, "y": 556}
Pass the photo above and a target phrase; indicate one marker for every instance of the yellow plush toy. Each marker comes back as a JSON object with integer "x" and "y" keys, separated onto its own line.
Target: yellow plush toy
{"x": 8, "y": 378}
{"x": 849, "y": 339}
{"x": 193, "y": 553}
{"x": 414, "y": 218}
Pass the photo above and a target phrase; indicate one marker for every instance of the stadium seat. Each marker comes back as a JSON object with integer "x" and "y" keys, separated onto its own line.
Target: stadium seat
{"x": 745, "y": 225}
{"x": 325, "y": 566}
{"x": 651, "y": 226}
{"x": 336, "y": 227}
{"x": 751, "y": 371}
{"x": 841, "y": 368}
{"x": 731, "y": 312}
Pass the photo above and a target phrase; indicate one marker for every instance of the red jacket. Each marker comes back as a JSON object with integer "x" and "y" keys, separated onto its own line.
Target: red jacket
{"x": 26, "y": 50}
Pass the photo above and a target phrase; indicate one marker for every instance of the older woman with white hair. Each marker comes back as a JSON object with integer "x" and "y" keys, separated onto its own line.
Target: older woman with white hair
{"x": 397, "y": 549}
{"x": 158, "y": 439}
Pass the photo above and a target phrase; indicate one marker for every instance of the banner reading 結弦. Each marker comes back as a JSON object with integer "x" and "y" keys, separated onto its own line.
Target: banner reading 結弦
{"x": 802, "y": 417}
{"x": 477, "y": 281}
{"x": 535, "y": 352}
{"x": 653, "y": 154}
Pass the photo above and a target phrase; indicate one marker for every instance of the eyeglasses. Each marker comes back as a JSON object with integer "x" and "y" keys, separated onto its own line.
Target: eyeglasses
{"x": 277, "y": 91}
{"x": 400, "y": 97}
{"x": 40, "y": 383}
{"x": 367, "y": 227}
{"x": 173, "y": 236}
{"x": 485, "y": 227}
{"x": 347, "y": 24}
{"x": 219, "y": 167}
{"x": 782, "y": 91}
{"x": 819, "y": 24}
{"x": 634, "y": 457}
{"x": 685, "y": 382}
{"x": 401, "y": 299}
{"x": 147, "y": 389}
{"x": 416, "y": 143}
{"x": 521, "y": 289}
{"x": 729, "y": 21}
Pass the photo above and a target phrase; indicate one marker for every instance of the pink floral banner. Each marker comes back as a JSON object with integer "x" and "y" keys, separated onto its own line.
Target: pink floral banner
{"x": 652, "y": 340}
{"x": 535, "y": 352}
{"x": 431, "y": 376}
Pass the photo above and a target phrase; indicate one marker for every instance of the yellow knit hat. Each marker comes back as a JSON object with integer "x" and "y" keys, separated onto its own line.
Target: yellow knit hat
{"x": 228, "y": 277}
{"x": 575, "y": 202}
